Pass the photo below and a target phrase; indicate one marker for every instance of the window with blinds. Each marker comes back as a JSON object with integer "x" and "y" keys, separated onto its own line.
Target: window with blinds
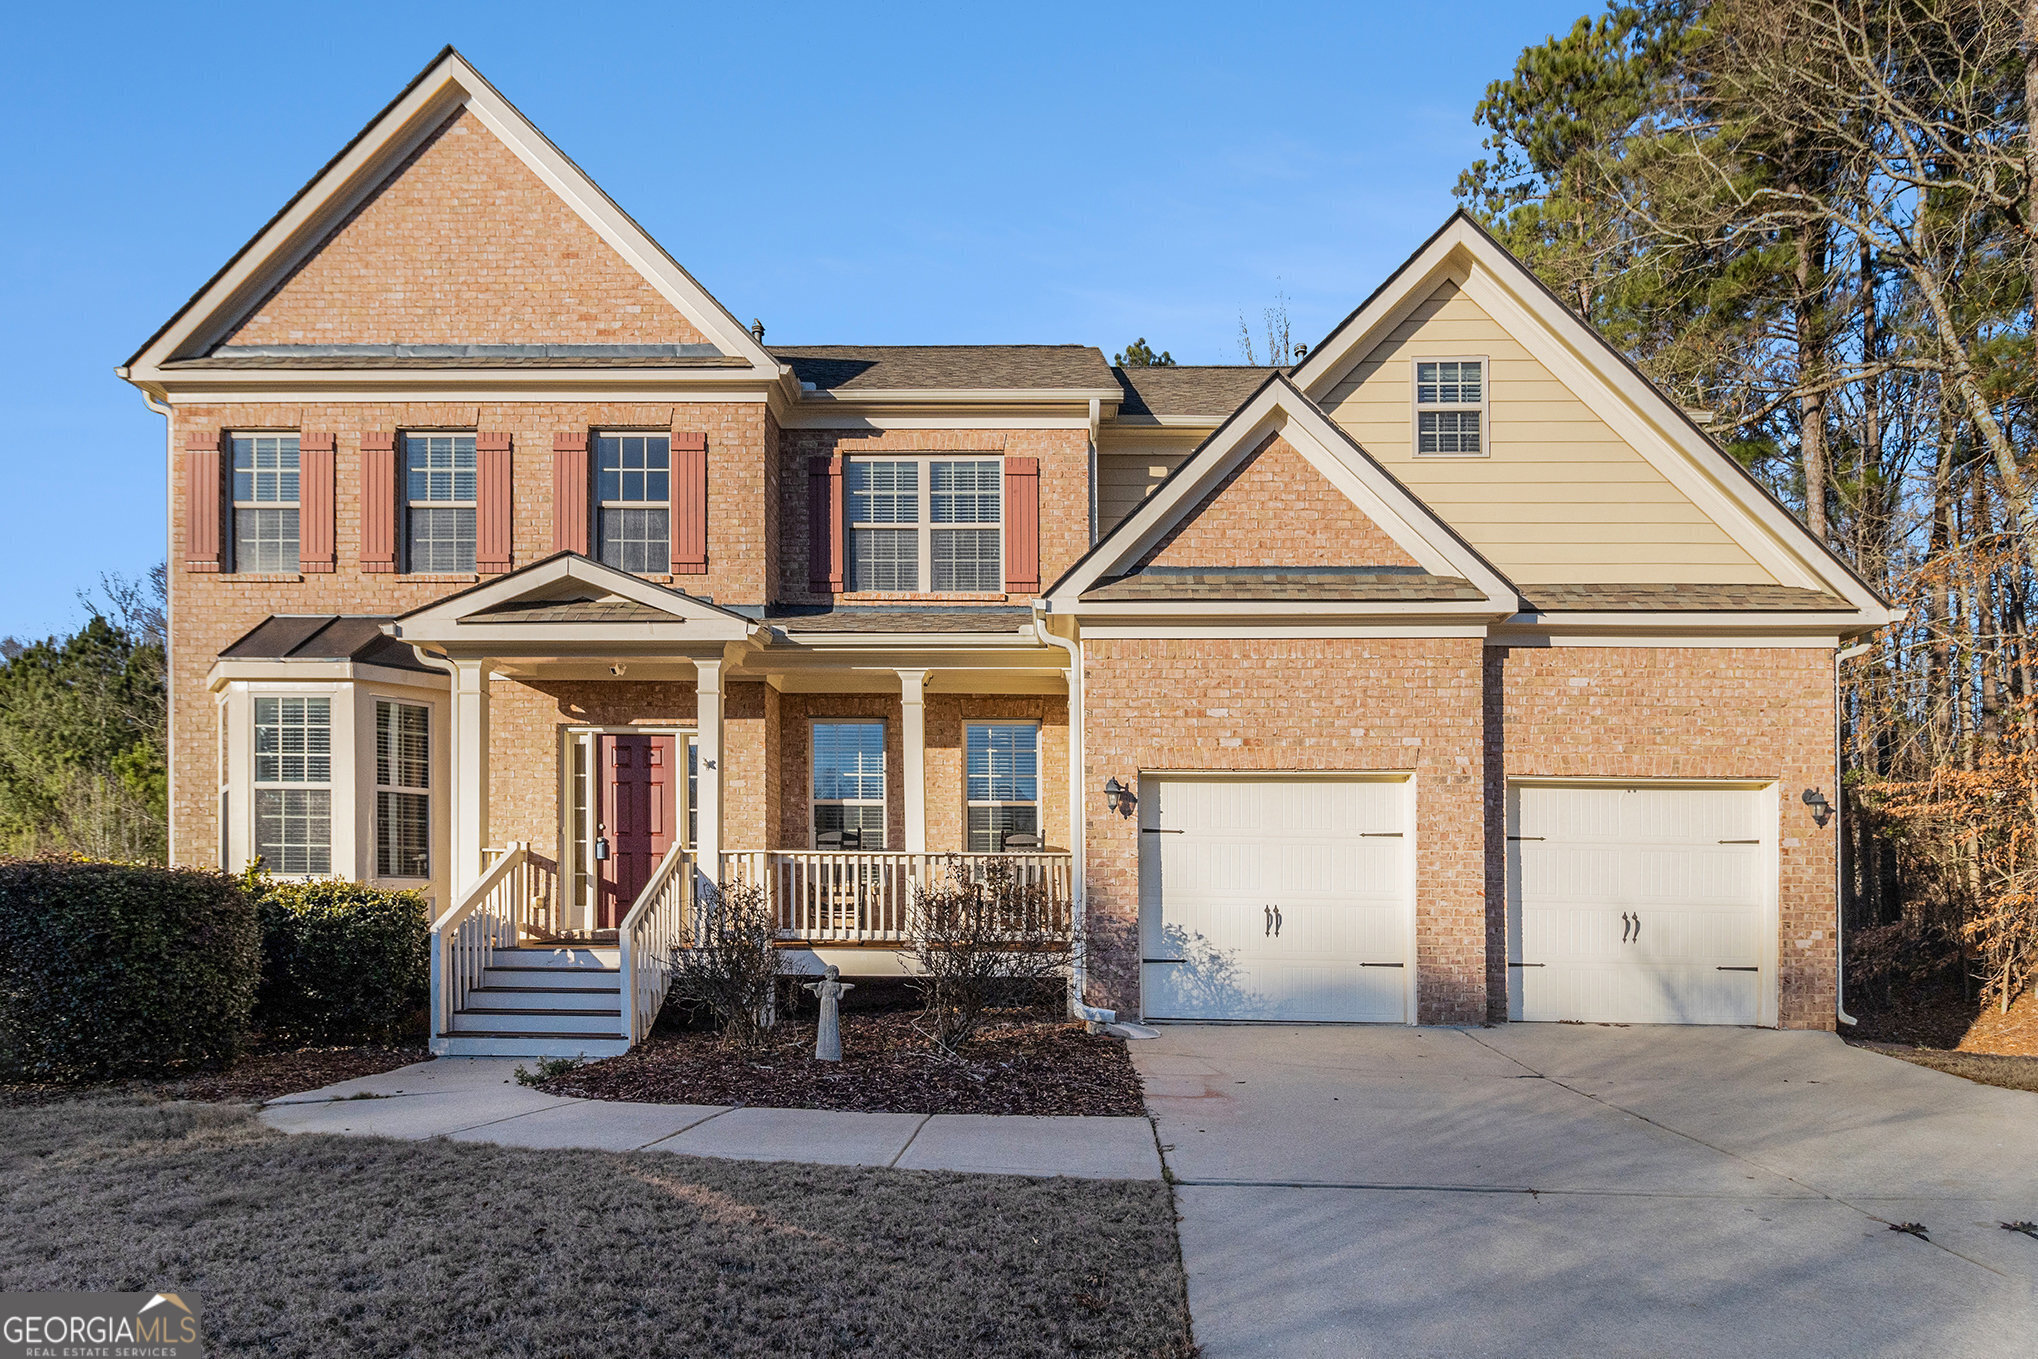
{"x": 934, "y": 524}
{"x": 265, "y": 490}
{"x": 439, "y": 502}
{"x": 403, "y": 810}
{"x": 1450, "y": 407}
{"x": 633, "y": 484}
{"x": 1003, "y": 778}
{"x": 293, "y": 784}
{"x": 849, "y": 785}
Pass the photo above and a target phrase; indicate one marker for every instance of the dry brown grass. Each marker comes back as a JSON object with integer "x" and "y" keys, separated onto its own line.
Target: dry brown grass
{"x": 313, "y": 1245}
{"x": 2011, "y": 1073}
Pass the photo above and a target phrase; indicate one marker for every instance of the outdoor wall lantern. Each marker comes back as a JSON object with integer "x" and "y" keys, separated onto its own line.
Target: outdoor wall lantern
{"x": 1822, "y": 810}
{"x": 1118, "y": 797}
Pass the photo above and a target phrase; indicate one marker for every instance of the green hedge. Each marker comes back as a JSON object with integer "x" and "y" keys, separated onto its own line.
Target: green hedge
{"x": 342, "y": 962}
{"x": 113, "y": 970}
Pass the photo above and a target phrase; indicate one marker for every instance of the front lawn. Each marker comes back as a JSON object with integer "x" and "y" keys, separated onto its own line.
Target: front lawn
{"x": 314, "y": 1245}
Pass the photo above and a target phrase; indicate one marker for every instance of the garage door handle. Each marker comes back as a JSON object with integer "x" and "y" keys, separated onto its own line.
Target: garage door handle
{"x": 1383, "y": 964}
{"x": 1273, "y": 914}
{"x": 1160, "y": 830}
{"x": 1525, "y": 964}
{"x": 1739, "y": 969}
{"x": 1164, "y": 960}
{"x": 1626, "y": 925}
{"x": 1638, "y": 927}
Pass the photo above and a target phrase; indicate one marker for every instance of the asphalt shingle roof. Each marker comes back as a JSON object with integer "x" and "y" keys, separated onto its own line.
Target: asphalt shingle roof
{"x": 948, "y": 367}
{"x": 1211, "y": 391}
{"x": 325, "y": 637}
{"x": 990, "y": 618}
{"x": 1680, "y": 598}
{"x": 1363, "y": 585}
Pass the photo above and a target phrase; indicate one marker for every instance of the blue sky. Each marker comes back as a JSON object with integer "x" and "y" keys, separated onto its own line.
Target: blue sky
{"x": 849, "y": 174}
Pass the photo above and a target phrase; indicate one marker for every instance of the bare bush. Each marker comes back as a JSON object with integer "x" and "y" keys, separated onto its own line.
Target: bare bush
{"x": 731, "y": 966}
{"x": 985, "y": 932}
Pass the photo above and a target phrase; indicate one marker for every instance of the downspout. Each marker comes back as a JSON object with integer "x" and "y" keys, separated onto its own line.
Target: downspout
{"x": 1839, "y": 844}
{"x": 1078, "y": 966}
{"x": 169, "y": 632}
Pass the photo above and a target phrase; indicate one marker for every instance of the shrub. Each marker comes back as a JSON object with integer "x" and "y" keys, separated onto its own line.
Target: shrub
{"x": 984, "y": 933}
{"x": 114, "y": 969}
{"x": 342, "y": 962}
{"x": 731, "y": 968}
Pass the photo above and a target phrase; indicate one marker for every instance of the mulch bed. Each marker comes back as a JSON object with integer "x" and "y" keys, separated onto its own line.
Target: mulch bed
{"x": 254, "y": 1078}
{"x": 1017, "y": 1065}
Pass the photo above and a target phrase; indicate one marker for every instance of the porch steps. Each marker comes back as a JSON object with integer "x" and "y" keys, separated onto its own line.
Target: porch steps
{"x": 542, "y": 1001}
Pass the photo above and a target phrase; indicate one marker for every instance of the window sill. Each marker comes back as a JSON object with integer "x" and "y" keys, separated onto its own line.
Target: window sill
{"x": 440, "y": 577}
{"x": 888, "y": 597}
{"x": 263, "y": 578}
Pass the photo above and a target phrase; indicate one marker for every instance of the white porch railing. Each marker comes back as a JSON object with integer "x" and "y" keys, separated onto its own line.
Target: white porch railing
{"x": 855, "y": 897}
{"x": 655, "y": 926}
{"x": 466, "y": 936}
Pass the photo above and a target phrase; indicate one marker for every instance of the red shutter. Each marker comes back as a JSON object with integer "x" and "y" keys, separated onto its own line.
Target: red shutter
{"x": 569, "y": 492}
{"x": 204, "y": 501}
{"x": 689, "y": 504}
{"x": 315, "y": 503}
{"x": 824, "y": 525}
{"x": 493, "y": 503}
{"x": 378, "y": 501}
{"x": 1022, "y": 526}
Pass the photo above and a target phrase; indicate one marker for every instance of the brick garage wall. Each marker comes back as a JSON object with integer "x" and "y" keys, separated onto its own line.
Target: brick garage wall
{"x": 1314, "y": 705}
{"x": 526, "y": 268}
{"x": 211, "y": 611}
{"x": 1064, "y": 456}
{"x": 1275, "y": 509}
{"x": 1679, "y": 713}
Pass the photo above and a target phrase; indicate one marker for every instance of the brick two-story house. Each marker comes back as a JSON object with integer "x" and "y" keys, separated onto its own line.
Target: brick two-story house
{"x": 1451, "y": 675}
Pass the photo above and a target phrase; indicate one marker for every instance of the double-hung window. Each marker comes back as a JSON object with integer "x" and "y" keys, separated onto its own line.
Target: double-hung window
{"x": 403, "y": 807}
{"x": 293, "y": 784}
{"x": 439, "y": 502}
{"x": 1004, "y": 783}
{"x": 933, "y": 524}
{"x": 633, "y": 474}
{"x": 1450, "y": 407}
{"x": 265, "y": 502}
{"x": 849, "y": 782}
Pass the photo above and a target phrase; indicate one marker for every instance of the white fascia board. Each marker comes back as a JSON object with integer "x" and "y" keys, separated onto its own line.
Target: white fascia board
{"x": 1254, "y": 632}
{"x": 948, "y": 396}
{"x": 1551, "y": 637}
{"x": 1164, "y": 422}
{"x": 879, "y": 420}
{"x": 447, "y": 620}
{"x": 324, "y": 671}
{"x": 1280, "y": 409}
{"x": 1454, "y": 609}
{"x": 948, "y": 642}
{"x": 1579, "y": 358}
{"x": 486, "y": 388}
{"x": 447, "y": 86}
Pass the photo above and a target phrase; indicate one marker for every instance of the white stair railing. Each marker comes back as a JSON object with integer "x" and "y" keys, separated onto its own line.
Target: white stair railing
{"x": 655, "y": 926}
{"x": 465, "y": 938}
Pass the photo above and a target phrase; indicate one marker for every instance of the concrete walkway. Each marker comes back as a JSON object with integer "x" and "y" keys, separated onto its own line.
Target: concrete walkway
{"x": 1566, "y": 1190}
{"x": 477, "y": 1099}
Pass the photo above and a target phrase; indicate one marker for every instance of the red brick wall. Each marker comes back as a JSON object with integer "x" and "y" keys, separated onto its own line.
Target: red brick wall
{"x": 211, "y": 610}
{"x": 1680, "y": 713}
{"x": 1275, "y": 509}
{"x": 1064, "y": 492}
{"x": 1296, "y": 705}
{"x": 464, "y": 245}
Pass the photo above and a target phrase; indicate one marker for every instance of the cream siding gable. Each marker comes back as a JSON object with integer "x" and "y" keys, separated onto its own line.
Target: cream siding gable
{"x": 1560, "y": 497}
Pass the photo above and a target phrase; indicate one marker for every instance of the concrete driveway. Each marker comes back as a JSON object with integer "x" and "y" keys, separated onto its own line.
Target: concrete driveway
{"x": 1585, "y": 1190}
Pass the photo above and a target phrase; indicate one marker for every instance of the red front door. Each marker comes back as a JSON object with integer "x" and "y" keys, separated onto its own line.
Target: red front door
{"x": 634, "y": 823}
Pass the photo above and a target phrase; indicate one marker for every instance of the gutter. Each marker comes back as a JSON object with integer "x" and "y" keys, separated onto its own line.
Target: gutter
{"x": 1839, "y": 845}
{"x": 1078, "y": 968}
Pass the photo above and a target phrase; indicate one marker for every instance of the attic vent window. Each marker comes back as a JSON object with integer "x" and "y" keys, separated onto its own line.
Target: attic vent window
{"x": 1450, "y": 407}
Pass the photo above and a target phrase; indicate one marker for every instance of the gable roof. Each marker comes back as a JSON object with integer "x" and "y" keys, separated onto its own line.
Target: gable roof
{"x": 1449, "y": 576}
{"x": 1610, "y": 385}
{"x": 565, "y": 604}
{"x": 446, "y": 85}
{"x": 872, "y": 369}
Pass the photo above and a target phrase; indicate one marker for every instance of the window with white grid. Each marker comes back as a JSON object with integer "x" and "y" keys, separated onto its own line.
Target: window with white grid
{"x": 403, "y": 807}
{"x": 934, "y": 524}
{"x": 265, "y": 502}
{"x": 438, "y": 473}
{"x": 849, "y": 783}
{"x": 293, "y": 784}
{"x": 633, "y": 483}
{"x": 1003, "y": 778}
{"x": 1450, "y": 407}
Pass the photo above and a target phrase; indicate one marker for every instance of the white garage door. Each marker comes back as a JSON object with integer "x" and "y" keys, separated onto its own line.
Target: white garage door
{"x": 1274, "y": 899}
{"x": 1638, "y": 904}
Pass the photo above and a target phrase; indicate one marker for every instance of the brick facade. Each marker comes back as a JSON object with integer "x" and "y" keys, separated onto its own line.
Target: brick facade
{"x": 1275, "y": 509}
{"x": 1295, "y": 705}
{"x": 463, "y": 244}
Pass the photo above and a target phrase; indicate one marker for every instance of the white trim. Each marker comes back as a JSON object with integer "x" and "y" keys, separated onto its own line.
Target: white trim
{"x": 1186, "y": 632}
{"x": 1417, "y": 409}
{"x": 448, "y": 85}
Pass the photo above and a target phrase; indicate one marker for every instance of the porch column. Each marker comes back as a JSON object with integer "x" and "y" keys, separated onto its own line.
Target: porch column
{"x": 913, "y": 749}
{"x": 470, "y": 772}
{"x": 708, "y": 738}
